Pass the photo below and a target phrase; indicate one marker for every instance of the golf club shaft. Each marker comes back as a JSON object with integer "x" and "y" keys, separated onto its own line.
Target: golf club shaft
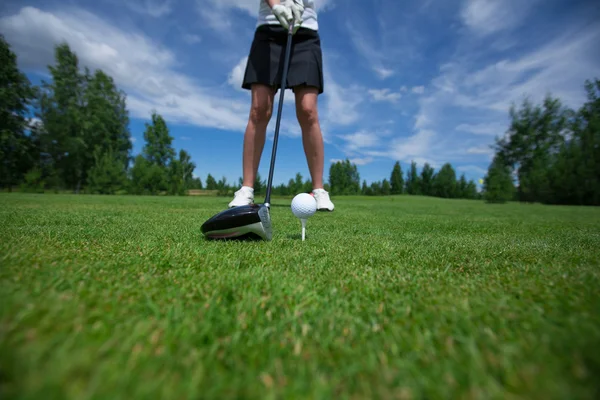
{"x": 286, "y": 62}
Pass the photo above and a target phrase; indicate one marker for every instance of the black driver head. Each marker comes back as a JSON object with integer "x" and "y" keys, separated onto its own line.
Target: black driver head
{"x": 250, "y": 221}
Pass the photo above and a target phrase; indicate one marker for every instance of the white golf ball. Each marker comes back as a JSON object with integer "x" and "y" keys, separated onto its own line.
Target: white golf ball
{"x": 304, "y": 205}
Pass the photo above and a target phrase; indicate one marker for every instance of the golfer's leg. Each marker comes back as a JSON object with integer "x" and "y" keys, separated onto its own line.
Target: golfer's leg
{"x": 312, "y": 138}
{"x": 256, "y": 129}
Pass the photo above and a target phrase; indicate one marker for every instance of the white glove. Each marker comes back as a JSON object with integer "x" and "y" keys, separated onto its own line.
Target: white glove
{"x": 287, "y": 11}
{"x": 297, "y": 7}
{"x": 284, "y": 14}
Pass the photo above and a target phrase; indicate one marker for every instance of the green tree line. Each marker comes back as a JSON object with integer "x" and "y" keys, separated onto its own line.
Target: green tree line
{"x": 344, "y": 179}
{"x": 72, "y": 133}
{"x": 78, "y": 139}
{"x": 550, "y": 153}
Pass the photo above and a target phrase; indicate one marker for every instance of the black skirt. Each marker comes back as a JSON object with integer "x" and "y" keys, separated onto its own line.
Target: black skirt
{"x": 266, "y": 58}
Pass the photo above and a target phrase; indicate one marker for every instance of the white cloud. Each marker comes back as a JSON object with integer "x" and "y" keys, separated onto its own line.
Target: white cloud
{"x": 559, "y": 67}
{"x": 421, "y": 147}
{"x": 219, "y": 15}
{"x": 123, "y": 55}
{"x": 216, "y": 18}
{"x": 485, "y": 17}
{"x": 360, "y": 140}
{"x": 341, "y": 107}
{"x": 472, "y": 168}
{"x": 361, "y": 161}
{"x": 236, "y": 76}
{"x": 418, "y": 89}
{"x": 366, "y": 48}
{"x": 383, "y": 72}
{"x": 488, "y": 129}
{"x": 485, "y": 150}
{"x": 248, "y": 6}
{"x": 416, "y": 146}
{"x": 357, "y": 161}
{"x": 421, "y": 120}
{"x": 382, "y": 95}
{"x": 191, "y": 38}
{"x": 476, "y": 98}
{"x": 152, "y": 8}
{"x": 323, "y": 5}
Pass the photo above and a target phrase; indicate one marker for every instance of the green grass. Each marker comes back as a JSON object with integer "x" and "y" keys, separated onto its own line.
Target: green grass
{"x": 397, "y": 297}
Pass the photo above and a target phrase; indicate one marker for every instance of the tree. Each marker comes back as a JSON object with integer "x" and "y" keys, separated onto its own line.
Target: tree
{"x": 156, "y": 169}
{"x": 223, "y": 187}
{"x": 16, "y": 95}
{"x": 107, "y": 175}
{"x": 375, "y": 189}
{"x": 298, "y": 184}
{"x": 575, "y": 174}
{"x": 471, "y": 191}
{"x": 80, "y": 114}
{"x": 308, "y": 186}
{"x": 413, "y": 183}
{"x": 158, "y": 148}
{"x": 62, "y": 113}
{"x": 535, "y": 135}
{"x": 396, "y": 180}
{"x": 386, "y": 187}
{"x": 344, "y": 178}
{"x": 187, "y": 168}
{"x": 444, "y": 183}
{"x": 211, "y": 183}
{"x": 461, "y": 187}
{"x": 106, "y": 119}
{"x": 260, "y": 185}
{"x": 280, "y": 190}
{"x": 427, "y": 175}
{"x": 196, "y": 184}
{"x": 180, "y": 174}
{"x": 147, "y": 177}
{"x": 364, "y": 188}
{"x": 498, "y": 183}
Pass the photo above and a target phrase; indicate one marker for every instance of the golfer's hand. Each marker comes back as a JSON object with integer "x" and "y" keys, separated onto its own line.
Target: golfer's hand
{"x": 297, "y": 7}
{"x": 283, "y": 13}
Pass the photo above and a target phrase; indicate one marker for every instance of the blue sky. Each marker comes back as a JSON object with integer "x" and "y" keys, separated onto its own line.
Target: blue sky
{"x": 430, "y": 81}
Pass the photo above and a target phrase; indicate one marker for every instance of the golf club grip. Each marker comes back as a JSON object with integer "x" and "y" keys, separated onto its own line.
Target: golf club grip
{"x": 286, "y": 62}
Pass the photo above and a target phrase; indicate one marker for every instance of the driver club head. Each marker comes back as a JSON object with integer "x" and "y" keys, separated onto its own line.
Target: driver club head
{"x": 244, "y": 222}
{"x": 252, "y": 220}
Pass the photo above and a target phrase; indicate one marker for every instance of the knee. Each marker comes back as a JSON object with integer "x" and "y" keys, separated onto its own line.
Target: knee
{"x": 260, "y": 112}
{"x": 307, "y": 112}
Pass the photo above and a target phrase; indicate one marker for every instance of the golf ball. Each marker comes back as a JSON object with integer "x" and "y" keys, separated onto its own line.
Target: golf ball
{"x": 304, "y": 205}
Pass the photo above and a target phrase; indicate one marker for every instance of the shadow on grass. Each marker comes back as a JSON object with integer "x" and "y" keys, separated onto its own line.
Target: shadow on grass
{"x": 254, "y": 238}
{"x": 250, "y": 237}
{"x": 297, "y": 236}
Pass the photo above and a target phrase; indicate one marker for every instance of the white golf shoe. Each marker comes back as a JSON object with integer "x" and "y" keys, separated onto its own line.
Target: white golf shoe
{"x": 243, "y": 197}
{"x": 323, "y": 201}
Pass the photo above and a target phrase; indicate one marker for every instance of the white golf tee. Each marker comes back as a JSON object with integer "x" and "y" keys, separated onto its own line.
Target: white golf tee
{"x": 303, "y": 221}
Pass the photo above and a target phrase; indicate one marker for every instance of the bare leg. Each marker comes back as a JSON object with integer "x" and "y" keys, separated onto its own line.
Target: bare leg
{"x": 312, "y": 138}
{"x": 256, "y": 130}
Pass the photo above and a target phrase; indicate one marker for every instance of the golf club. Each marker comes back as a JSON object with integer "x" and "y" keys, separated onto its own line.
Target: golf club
{"x": 253, "y": 220}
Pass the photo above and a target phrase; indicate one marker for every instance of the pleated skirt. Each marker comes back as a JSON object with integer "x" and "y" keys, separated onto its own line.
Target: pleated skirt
{"x": 266, "y": 58}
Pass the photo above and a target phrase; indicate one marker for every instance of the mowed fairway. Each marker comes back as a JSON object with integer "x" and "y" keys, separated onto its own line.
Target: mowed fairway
{"x": 392, "y": 298}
